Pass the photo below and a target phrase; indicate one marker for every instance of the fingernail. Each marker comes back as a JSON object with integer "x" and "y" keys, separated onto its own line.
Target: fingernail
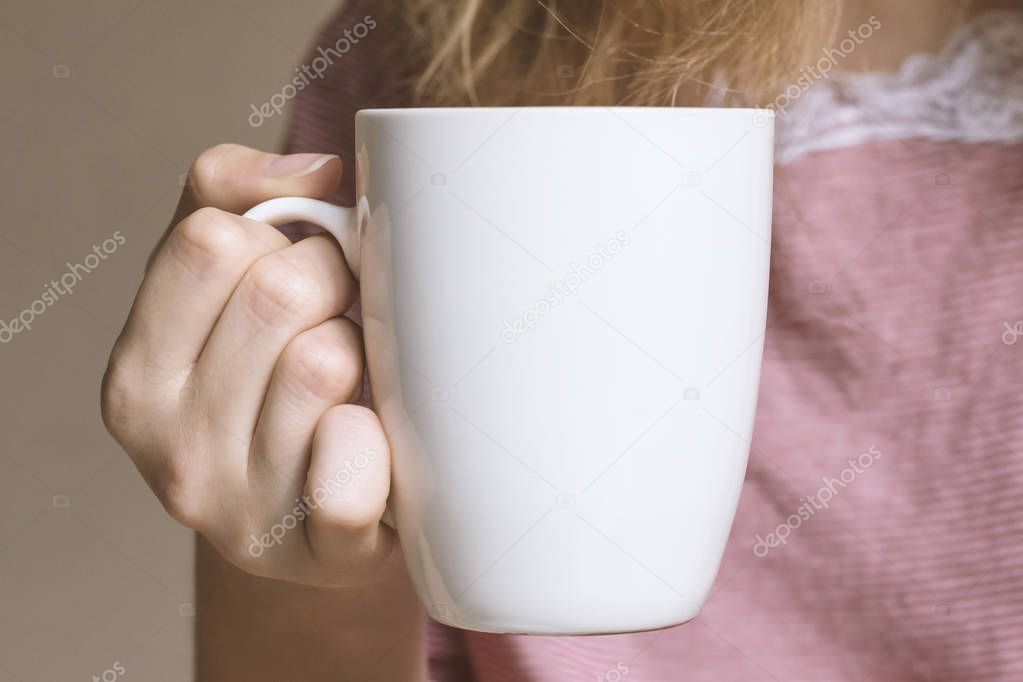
{"x": 296, "y": 165}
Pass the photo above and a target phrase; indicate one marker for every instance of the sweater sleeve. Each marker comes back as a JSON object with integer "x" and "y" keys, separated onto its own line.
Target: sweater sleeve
{"x": 323, "y": 120}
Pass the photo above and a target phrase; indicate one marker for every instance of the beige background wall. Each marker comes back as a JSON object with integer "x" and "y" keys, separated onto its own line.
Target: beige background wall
{"x": 103, "y": 105}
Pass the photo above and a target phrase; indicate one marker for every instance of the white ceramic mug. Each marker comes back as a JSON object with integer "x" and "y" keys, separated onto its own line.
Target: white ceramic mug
{"x": 564, "y": 312}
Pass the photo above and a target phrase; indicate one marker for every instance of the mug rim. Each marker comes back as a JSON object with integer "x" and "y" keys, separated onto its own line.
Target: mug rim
{"x": 461, "y": 111}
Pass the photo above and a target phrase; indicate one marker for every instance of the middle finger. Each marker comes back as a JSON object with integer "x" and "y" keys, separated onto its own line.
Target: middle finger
{"x": 319, "y": 369}
{"x": 282, "y": 295}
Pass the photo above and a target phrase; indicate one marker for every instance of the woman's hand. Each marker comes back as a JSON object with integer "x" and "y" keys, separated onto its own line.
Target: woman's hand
{"x": 231, "y": 385}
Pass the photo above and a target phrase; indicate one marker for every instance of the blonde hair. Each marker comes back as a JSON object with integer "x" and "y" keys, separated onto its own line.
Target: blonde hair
{"x": 611, "y": 52}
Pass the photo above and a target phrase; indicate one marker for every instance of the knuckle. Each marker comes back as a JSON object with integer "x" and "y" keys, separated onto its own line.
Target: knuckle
{"x": 209, "y": 236}
{"x": 355, "y": 420}
{"x": 321, "y": 364}
{"x": 203, "y": 173}
{"x": 118, "y": 398}
{"x": 244, "y": 549}
{"x": 277, "y": 293}
{"x": 115, "y": 400}
{"x": 178, "y": 491}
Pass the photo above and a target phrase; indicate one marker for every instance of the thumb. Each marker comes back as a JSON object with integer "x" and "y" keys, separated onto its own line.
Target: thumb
{"x": 235, "y": 178}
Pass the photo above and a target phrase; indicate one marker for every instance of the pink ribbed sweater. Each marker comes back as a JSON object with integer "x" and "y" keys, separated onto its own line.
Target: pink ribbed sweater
{"x": 896, "y": 288}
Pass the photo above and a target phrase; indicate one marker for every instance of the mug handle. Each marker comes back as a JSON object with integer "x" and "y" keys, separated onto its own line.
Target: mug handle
{"x": 340, "y": 221}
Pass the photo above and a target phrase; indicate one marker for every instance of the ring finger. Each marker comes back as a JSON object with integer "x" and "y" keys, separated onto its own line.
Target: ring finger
{"x": 319, "y": 369}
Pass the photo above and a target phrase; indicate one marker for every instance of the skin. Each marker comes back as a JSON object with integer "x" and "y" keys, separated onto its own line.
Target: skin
{"x": 231, "y": 388}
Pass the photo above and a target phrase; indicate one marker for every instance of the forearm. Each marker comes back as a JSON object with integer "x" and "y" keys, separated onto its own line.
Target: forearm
{"x": 249, "y": 626}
